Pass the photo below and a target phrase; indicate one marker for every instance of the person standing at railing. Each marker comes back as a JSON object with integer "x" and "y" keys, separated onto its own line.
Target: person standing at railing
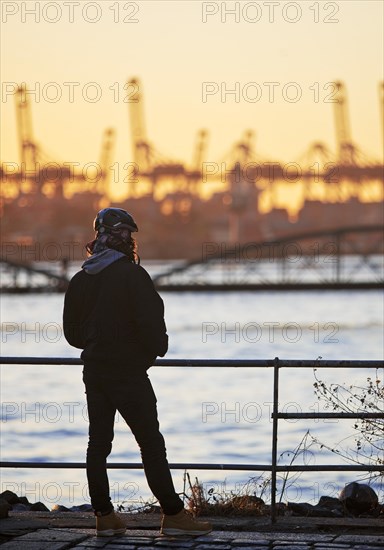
{"x": 113, "y": 312}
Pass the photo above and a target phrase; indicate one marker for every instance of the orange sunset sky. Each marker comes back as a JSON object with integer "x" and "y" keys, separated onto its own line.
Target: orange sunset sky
{"x": 175, "y": 48}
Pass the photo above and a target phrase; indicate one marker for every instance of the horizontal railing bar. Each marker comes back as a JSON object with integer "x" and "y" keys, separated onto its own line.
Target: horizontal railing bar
{"x": 329, "y": 415}
{"x": 197, "y": 466}
{"x": 331, "y": 468}
{"x": 283, "y": 363}
{"x": 133, "y": 465}
{"x": 158, "y": 362}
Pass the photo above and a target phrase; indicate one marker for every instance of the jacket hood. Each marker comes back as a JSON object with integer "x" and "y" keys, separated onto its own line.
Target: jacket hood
{"x": 100, "y": 260}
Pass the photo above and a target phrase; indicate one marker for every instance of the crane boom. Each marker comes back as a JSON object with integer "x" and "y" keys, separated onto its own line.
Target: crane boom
{"x": 200, "y": 150}
{"x": 345, "y": 148}
{"x": 28, "y": 149}
{"x": 107, "y": 148}
{"x": 381, "y": 99}
{"x": 140, "y": 145}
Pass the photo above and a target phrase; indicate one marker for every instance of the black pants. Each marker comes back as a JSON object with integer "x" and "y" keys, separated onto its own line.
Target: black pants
{"x": 136, "y": 402}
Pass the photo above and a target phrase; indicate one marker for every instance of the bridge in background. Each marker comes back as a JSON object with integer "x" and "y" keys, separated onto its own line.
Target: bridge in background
{"x": 19, "y": 278}
{"x": 343, "y": 258}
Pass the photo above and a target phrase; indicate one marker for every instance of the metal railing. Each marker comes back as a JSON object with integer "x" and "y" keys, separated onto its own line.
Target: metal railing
{"x": 274, "y": 468}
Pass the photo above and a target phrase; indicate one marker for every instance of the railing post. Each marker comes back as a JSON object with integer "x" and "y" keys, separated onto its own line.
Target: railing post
{"x": 274, "y": 436}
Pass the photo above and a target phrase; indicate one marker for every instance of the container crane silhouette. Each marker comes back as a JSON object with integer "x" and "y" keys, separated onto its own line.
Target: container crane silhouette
{"x": 28, "y": 147}
{"x": 38, "y": 170}
{"x": 353, "y": 163}
{"x": 106, "y": 154}
{"x": 381, "y": 101}
{"x": 149, "y": 162}
{"x": 194, "y": 175}
{"x": 346, "y": 150}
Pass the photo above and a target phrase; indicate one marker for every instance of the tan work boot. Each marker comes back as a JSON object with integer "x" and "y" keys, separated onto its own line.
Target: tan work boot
{"x": 184, "y": 523}
{"x": 109, "y": 525}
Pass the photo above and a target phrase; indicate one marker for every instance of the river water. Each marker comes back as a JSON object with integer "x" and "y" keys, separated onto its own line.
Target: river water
{"x": 207, "y": 415}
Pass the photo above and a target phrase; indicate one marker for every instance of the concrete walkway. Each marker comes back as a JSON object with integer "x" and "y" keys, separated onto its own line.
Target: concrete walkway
{"x": 62, "y": 531}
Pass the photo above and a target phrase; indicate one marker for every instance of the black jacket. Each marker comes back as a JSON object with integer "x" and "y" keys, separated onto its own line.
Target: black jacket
{"x": 117, "y": 318}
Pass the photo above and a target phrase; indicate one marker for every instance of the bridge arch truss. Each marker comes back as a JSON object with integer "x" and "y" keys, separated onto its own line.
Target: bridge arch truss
{"x": 341, "y": 258}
